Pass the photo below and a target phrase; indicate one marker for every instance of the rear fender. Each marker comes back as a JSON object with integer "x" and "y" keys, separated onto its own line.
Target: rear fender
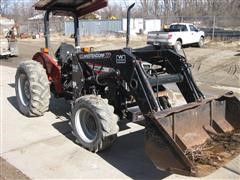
{"x": 53, "y": 70}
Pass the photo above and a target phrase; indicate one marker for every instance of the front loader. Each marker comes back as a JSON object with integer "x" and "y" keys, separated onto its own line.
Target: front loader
{"x": 105, "y": 87}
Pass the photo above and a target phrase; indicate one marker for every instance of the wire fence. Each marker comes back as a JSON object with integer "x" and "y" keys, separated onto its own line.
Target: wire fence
{"x": 33, "y": 27}
{"x": 215, "y": 27}
{"x": 94, "y": 27}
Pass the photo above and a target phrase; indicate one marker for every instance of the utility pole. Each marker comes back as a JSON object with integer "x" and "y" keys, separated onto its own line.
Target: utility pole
{"x": 213, "y": 28}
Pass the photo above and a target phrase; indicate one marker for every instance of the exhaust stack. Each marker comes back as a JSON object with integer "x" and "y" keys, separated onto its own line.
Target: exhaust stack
{"x": 128, "y": 24}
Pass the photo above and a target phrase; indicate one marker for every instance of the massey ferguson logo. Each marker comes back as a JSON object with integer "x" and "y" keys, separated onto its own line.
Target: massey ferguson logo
{"x": 121, "y": 59}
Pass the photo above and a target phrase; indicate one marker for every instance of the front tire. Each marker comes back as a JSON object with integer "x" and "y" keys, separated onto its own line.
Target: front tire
{"x": 94, "y": 123}
{"x": 32, "y": 89}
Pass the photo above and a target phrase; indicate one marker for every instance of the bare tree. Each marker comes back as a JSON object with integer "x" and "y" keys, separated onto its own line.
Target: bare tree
{"x": 4, "y": 6}
{"x": 112, "y": 10}
{"x": 20, "y": 11}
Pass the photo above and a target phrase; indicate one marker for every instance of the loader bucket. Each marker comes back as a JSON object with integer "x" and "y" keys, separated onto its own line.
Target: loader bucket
{"x": 195, "y": 139}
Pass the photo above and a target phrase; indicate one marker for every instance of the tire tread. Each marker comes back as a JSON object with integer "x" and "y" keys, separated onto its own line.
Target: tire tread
{"x": 107, "y": 118}
{"x": 39, "y": 87}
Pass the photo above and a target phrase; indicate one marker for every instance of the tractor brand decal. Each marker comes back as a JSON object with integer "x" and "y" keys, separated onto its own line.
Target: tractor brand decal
{"x": 121, "y": 59}
{"x": 105, "y": 55}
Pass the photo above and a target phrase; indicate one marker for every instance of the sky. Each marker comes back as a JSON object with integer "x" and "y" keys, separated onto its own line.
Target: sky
{"x": 122, "y": 2}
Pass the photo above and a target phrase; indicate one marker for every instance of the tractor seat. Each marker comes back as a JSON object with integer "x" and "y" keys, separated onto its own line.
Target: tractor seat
{"x": 63, "y": 52}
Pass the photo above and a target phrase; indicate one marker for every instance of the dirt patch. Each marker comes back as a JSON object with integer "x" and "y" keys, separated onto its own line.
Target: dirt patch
{"x": 229, "y": 44}
{"x": 215, "y": 152}
{"x": 9, "y": 172}
{"x": 215, "y": 66}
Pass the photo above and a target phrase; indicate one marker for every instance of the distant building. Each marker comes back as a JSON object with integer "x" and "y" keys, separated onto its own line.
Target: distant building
{"x": 138, "y": 25}
{"x": 36, "y": 17}
{"x": 6, "y": 21}
{"x": 5, "y": 25}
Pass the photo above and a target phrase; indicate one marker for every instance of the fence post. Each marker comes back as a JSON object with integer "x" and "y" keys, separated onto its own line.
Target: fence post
{"x": 213, "y": 28}
{"x": 28, "y": 26}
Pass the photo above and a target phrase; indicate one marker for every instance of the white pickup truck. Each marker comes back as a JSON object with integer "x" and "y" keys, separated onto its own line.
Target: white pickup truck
{"x": 177, "y": 35}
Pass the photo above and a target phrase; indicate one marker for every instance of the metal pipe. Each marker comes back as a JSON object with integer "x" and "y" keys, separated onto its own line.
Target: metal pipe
{"x": 128, "y": 23}
{"x": 76, "y": 31}
{"x": 46, "y": 29}
{"x": 165, "y": 78}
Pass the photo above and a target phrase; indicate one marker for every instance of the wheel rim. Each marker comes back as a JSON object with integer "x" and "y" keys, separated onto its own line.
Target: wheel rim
{"x": 24, "y": 89}
{"x": 86, "y": 125}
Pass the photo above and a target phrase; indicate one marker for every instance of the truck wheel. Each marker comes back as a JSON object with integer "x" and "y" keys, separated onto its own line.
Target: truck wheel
{"x": 178, "y": 46}
{"x": 201, "y": 42}
{"x": 94, "y": 123}
{"x": 32, "y": 89}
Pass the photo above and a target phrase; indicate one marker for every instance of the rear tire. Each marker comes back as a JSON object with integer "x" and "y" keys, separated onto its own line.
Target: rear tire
{"x": 201, "y": 42}
{"x": 32, "y": 89}
{"x": 94, "y": 123}
{"x": 178, "y": 46}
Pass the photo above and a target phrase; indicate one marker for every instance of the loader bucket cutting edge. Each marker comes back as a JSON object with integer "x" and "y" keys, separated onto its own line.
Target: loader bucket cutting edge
{"x": 183, "y": 136}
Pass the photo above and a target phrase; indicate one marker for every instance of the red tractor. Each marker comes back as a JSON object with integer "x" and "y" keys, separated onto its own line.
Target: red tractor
{"x": 105, "y": 87}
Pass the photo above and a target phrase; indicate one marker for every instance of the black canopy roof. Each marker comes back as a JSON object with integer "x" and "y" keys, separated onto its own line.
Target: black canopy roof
{"x": 65, "y": 7}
